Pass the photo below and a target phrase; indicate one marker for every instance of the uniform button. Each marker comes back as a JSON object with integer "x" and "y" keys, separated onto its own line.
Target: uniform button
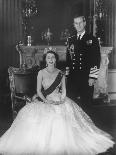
{"x": 73, "y": 63}
{"x": 80, "y": 58}
{"x": 80, "y": 54}
{"x": 80, "y": 67}
{"x": 73, "y": 67}
{"x": 80, "y": 63}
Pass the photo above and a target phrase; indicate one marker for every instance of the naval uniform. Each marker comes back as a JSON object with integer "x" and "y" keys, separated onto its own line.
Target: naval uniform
{"x": 83, "y": 60}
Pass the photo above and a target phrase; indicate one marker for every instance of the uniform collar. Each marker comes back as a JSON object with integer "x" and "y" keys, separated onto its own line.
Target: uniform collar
{"x": 81, "y": 35}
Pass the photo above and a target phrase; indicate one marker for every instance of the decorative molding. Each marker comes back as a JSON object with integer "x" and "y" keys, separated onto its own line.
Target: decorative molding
{"x": 112, "y": 84}
{"x": 101, "y": 85}
{"x": 33, "y": 55}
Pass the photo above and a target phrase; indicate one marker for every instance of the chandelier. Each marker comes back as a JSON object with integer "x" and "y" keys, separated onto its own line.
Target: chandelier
{"x": 29, "y": 10}
{"x": 100, "y": 8}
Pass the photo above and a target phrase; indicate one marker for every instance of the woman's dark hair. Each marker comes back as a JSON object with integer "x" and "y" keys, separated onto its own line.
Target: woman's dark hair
{"x": 52, "y": 52}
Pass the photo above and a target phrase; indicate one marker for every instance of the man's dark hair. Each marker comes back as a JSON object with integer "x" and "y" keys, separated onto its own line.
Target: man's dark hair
{"x": 79, "y": 16}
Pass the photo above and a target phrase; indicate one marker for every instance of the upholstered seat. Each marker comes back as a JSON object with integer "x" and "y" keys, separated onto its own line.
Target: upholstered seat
{"x": 23, "y": 84}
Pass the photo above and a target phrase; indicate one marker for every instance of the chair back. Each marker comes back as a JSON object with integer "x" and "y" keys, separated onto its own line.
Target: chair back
{"x": 23, "y": 81}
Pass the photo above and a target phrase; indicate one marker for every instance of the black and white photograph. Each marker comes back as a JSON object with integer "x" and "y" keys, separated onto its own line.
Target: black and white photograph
{"x": 57, "y": 77}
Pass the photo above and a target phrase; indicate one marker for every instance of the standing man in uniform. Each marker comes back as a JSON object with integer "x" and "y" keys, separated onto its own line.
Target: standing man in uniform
{"x": 83, "y": 62}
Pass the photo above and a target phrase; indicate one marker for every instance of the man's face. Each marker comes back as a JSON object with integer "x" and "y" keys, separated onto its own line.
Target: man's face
{"x": 79, "y": 24}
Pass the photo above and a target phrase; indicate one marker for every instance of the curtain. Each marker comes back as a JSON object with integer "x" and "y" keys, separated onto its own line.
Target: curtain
{"x": 10, "y": 31}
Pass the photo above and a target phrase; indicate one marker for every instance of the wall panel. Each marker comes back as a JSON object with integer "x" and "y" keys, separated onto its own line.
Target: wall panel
{"x": 11, "y": 31}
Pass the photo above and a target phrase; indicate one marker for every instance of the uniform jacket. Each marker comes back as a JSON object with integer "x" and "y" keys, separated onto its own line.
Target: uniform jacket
{"x": 83, "y": 55}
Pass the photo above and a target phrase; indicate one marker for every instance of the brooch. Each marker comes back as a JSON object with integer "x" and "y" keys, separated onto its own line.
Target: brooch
{"x": 89, "y": 42}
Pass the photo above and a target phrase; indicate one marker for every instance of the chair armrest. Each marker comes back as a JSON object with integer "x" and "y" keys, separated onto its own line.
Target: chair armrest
{"x": 25, "y": 98}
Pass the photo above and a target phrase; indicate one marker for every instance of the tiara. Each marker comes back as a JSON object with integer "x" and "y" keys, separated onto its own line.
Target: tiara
{"x": 50, "y": 48}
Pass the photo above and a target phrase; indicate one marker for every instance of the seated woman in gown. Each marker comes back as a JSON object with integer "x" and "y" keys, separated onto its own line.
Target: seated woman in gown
{"x": 54, "y": 125}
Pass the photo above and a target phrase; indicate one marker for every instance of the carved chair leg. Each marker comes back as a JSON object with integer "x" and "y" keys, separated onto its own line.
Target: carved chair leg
{"x": 14, "y": 114}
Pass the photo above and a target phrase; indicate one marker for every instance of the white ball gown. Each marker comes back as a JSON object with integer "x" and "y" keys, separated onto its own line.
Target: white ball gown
{"x": 49, "y": 129}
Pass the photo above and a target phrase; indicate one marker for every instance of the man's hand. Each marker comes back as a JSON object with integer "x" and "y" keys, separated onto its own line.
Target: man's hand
{"x": 91, "y": 81}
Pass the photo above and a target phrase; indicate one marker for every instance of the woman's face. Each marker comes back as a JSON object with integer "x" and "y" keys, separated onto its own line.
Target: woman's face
{"x": 50, "y": 59}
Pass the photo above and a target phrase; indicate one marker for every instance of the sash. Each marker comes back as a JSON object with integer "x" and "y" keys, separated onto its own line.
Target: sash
{"x": 53, "y": 85}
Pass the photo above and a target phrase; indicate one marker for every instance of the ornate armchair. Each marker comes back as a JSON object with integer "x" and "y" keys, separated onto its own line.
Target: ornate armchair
{"x": 22, "y": 86}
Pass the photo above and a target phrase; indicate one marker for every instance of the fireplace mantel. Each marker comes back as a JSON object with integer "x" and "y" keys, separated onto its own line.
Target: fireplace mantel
{"x": 32, "y": 55}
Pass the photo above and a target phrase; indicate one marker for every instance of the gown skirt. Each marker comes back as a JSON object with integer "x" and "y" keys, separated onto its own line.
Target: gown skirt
{"x": 49, "y": 129}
